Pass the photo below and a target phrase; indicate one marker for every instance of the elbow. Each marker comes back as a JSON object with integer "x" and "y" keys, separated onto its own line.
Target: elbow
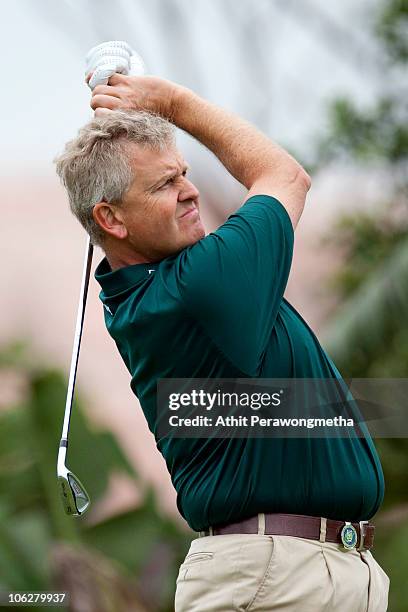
{"x": 296, "y": 177}
{"x": 308, "y": 180}
{"x": 303, "y": 179}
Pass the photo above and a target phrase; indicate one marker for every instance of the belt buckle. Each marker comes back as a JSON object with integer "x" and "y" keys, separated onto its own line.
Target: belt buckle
{"x": 349, "y": 535}
{"x": 362, "y": 535}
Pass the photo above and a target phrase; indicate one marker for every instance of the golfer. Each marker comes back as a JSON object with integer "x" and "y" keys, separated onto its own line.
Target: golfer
{"x": 272, "y": 516}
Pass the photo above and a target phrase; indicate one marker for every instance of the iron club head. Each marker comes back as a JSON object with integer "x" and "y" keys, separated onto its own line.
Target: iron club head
{"x": 74, "y": 496}
{"x": 73, "y": 493}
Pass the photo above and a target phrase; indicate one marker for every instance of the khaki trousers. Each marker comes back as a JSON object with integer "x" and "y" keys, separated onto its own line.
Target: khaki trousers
{"x": 255, "y": 573}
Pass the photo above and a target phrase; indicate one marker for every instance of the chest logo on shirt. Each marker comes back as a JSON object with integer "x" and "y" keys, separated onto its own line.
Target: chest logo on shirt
{"x": 152, "y": 270}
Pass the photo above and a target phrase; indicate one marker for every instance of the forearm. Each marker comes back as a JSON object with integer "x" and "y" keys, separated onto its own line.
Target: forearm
{"x": 242, "y": 149}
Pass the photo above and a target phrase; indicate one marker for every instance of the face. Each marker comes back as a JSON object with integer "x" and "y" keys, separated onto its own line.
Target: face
{"x": 161, "y": 208}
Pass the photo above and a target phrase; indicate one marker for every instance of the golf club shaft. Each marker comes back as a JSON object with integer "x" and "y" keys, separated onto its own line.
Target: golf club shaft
{"x": 77, "y": 340}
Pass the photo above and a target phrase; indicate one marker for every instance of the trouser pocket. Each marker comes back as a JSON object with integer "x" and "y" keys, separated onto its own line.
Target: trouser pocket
{"x": 378, "y": 586}
{"x": 223, "y": 573}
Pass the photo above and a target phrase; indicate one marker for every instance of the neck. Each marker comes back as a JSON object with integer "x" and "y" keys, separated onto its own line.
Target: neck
{"x": 120, "y": 258}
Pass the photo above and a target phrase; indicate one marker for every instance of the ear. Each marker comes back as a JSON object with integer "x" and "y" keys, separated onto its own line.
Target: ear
{"x": 110, "y": 219}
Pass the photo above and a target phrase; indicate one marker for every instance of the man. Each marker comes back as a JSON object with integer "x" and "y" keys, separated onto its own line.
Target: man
{"x": 180, "y": 304}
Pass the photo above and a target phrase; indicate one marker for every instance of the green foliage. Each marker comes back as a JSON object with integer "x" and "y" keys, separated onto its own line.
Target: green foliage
{"x": 390, "y": 552}
{"x": 368, "y": 337}
{"x": 24, "y": 543}
{"x": 392, "y": 27}
{"x": 394, "y": 461}
{"x": 140, "y": 539}
{"x": 145, "y": 548}
{"x": 380, "y": 132}
{"x": 373, "y": 245}
{"x": 367, "y": 240}
{"x": 93, "y": 455}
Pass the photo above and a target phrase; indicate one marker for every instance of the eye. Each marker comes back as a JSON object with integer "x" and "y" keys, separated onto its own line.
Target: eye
{"x": 172, "y": 179}
{"x": 168, "y": 182}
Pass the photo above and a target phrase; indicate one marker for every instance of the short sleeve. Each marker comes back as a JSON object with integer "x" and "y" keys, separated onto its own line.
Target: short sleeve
{"x": 233, "y": 280}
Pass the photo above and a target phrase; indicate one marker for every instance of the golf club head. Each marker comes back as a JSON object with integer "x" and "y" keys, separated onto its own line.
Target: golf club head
{"x": 73, "y": 493}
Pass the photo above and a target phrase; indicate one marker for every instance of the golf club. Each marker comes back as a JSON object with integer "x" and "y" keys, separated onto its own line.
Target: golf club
{"x": 74, "y": 496}
{"x": 103, "y": 61}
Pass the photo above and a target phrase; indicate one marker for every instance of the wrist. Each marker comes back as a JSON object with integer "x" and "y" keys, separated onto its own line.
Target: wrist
{"x": 180, "y": 105}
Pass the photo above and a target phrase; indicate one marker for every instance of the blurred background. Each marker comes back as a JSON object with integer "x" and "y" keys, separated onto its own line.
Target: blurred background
{"x": 327, "y": 81}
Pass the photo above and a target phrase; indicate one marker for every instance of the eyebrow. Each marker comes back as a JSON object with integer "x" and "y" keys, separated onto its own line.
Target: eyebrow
{"x": 170, "y": 174}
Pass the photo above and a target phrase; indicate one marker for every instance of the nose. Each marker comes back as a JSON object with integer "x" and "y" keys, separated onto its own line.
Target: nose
{"x": 188, "y": 191}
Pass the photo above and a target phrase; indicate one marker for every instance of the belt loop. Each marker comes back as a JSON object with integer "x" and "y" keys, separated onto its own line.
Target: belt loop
{"x": 362, "y": 525}
{"x": 323, "y": 527}
{"x": 210, "y": 531}
{"x": 261, "y": 523}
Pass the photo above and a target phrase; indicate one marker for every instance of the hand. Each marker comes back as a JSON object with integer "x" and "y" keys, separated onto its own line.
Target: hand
{"x": 147, "y": 93}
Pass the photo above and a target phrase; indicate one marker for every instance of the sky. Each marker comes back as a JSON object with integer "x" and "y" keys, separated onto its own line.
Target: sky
{"x": 273, "y": 63}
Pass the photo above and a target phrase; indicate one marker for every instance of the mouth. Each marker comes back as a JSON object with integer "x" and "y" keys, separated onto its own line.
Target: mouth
{"x": 189, "y": 212}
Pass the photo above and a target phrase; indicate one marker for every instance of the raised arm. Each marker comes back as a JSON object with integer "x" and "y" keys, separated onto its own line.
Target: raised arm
{"x": 253, "y": 159}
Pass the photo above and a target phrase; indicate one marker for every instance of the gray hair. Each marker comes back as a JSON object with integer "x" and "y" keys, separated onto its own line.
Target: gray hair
{"x": 95, "y": 166}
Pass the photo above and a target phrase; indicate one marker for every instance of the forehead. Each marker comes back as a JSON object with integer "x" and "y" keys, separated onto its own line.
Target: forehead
{"x": 150, "y": 164}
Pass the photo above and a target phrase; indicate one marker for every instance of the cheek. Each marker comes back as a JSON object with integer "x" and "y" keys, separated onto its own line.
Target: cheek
{"x": 165, "y": 210}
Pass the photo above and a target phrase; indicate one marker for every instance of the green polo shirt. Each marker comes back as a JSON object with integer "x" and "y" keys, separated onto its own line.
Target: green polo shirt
{"x": 216, "y": 310}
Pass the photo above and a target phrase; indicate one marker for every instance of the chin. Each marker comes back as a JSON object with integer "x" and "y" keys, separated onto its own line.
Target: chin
{"x": 197, "y": 235}
{"x": 190, "y": 239}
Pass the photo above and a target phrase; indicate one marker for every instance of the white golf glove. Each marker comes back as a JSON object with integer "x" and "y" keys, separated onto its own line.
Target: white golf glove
{"x": 110, "y": 57}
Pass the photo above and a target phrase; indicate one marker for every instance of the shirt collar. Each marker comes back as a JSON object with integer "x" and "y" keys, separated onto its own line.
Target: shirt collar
{"x": 116, "y": 281}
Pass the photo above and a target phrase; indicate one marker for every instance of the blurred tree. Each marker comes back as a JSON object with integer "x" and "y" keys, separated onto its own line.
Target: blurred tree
{"x": 368, "y": 337}
{"x": 126, "y": 562}
{"x": 371, "y": 279}
{"x": 392, "y": 27}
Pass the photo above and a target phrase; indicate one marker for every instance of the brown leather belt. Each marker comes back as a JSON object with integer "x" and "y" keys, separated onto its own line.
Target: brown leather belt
{"x": 350, "y": 535}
